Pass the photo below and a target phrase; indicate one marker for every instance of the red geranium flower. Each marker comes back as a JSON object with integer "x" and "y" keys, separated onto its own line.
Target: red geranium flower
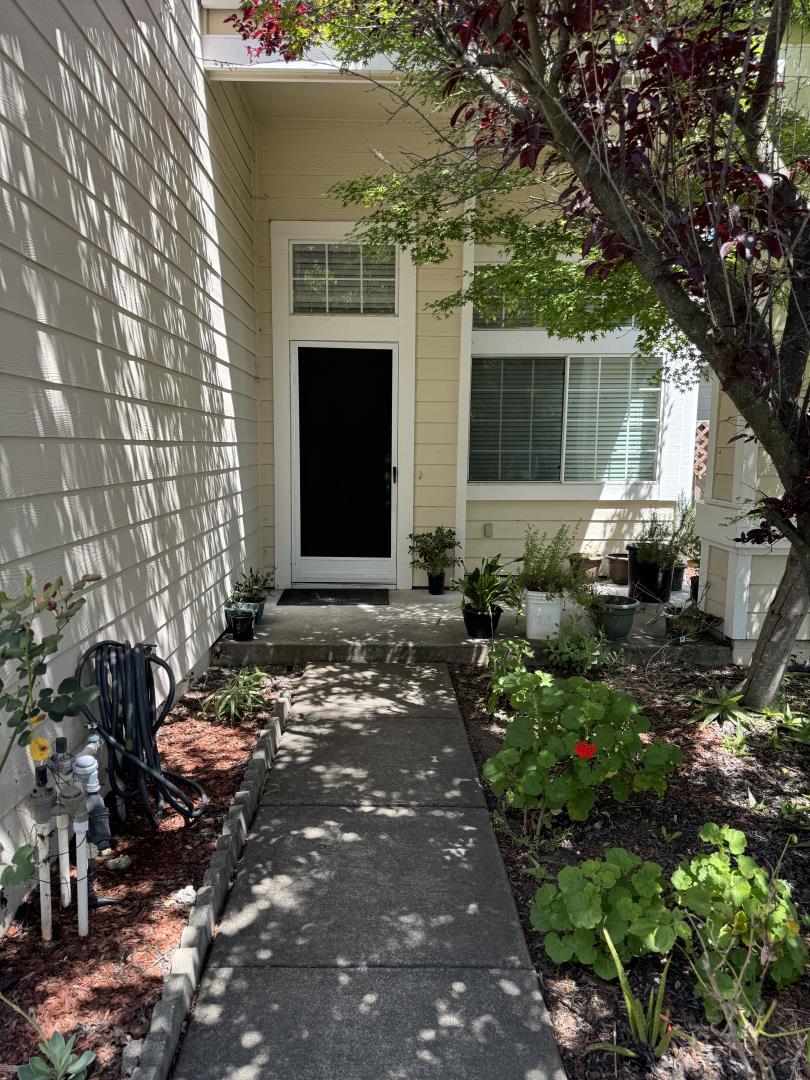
{"x": 585, "y": 749}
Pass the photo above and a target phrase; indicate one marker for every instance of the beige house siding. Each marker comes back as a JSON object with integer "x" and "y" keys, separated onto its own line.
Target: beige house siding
{"x": 129, "y": 435}
{"x": 298, "y": 159}
{"x": 716, "y": 583}
{"x": 607, "y": 526}
{"x": 724, "y": 427}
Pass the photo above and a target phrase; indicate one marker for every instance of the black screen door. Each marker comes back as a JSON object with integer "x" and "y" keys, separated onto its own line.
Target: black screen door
{"x": 345, "y": 462}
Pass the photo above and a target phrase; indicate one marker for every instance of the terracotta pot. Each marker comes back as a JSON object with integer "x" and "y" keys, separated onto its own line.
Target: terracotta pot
{"x": 617, "y": 567}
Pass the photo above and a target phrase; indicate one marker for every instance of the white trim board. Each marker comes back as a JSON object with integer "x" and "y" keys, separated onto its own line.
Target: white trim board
{"x": 386, "y": 330}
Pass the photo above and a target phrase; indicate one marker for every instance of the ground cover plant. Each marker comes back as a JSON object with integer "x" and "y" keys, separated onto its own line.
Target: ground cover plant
{"x": 101, "y": 989}
{"x": 670, "y": 842}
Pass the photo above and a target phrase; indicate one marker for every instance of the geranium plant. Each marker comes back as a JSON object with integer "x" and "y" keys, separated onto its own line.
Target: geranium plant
{"x": 621, "y": 894}
{"x": 569, "y": 737}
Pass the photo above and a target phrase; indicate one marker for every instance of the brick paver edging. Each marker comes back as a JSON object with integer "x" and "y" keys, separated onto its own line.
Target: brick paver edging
{"x": 171, "y": 1010}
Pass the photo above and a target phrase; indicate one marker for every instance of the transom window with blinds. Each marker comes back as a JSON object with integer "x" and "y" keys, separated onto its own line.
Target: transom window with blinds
{"x": 564, "y": 419}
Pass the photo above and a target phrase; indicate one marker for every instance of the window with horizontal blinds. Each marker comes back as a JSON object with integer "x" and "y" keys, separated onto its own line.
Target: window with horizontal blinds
{"x": 612, "y": 419}
{"x": 610, "y": 433}
{"x": 516, "y": 419}
{"x": 343, "y": 279}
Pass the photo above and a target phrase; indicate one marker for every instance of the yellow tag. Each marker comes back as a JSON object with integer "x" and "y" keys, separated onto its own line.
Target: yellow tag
{"x": 39, "y": 749}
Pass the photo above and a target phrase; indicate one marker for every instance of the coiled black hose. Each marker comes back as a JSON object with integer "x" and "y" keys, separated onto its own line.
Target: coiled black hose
{"x": 128, "y": 721}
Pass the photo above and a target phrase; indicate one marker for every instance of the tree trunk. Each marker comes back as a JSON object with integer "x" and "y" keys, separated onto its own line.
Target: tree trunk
{"x": 772, "y": 652}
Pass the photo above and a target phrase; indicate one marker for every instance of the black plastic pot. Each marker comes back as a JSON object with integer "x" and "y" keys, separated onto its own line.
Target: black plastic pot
{"x": 616, "y": 616}
{"x": 677, "y": 576}
{"x": 480, "y": 624}
{"x": 242, "y": 625}
{"x": 436, "y": 584}
{"x": 647, "y": 582}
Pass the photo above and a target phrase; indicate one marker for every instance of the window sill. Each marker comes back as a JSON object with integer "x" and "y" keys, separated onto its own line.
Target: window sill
{"x": 639, "y": 491}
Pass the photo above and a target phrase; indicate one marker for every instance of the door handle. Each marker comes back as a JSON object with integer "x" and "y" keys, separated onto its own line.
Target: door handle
{"x": 394, "y": 474}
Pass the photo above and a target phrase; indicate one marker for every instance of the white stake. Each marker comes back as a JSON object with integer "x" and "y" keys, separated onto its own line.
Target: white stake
{"x": 63, "y": 842}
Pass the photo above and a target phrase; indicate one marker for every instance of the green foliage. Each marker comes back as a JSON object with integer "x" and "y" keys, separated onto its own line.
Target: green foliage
{"x": 721, "y": 705}
{"x": 252, "y": 587}
{"x": 434, "y": 551}
{"x": 656, "y": 544}
{"x": 567, "y": 738}
{"x": 649, "y": 1027}
{"x": 24, "y": 701}
{"x": 787, "y": 724}
{"x": 241, "y": 695}
{"x": 58, "y": 1062}
{"x": 507, "y": 655}
{"x": 544, "y": 564}
{"x": 22, "y": 868}
{"x": 620, "y": 894}
{"x": 575, "y": 651}
{"x": 486, "y": 586}
{"x": 747, "y": 926}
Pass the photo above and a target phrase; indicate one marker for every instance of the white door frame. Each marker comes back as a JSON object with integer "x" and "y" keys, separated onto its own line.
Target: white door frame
{"x": 398, "y": 330}
{"x": 341, "y": 569}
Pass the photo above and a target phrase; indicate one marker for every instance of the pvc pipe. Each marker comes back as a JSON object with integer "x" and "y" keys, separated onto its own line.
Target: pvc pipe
{"x": 80, "y": 830}
{"x": 63, "y": 842}
{"x": 44, "y": 853}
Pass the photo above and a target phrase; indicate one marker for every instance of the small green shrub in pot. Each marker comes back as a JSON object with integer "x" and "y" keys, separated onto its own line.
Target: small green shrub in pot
{"x": 483, "y": 590}
{"x": 567, "y": 738}
{"x": 746, "y": 924}
{"x": 544, "y": 563}
{"x": 621, "y": 894}
{"x": 544, "y": 576}
{"x": 434, "y": 552}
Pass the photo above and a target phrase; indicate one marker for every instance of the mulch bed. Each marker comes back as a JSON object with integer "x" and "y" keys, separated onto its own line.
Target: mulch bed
{"x": 712, "y": 784}
{"x": 102, "y": 988}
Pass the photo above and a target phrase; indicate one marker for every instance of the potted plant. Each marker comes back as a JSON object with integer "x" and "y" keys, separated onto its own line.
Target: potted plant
{"x": 249, "y": 594}
{"x": 651, "y": 560}
{"x": 586, "y": 563}
{"x": 615, "y": 616}
{"x": 543, "y": 577}
{"x": 483, "y": 589}
{"x": 242, "y": 624}
{"x": 617, "y": 567}
{"x": 434, "y": 552}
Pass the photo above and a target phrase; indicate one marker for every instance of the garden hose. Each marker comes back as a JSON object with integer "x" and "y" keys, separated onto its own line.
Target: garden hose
{"x": 128, "y": 721}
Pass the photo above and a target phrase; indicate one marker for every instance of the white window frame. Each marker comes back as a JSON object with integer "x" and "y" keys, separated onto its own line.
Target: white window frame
{"x": 676, "y": 432}
{"x": 397, "y": 331}
{"x": 343, "y": 314}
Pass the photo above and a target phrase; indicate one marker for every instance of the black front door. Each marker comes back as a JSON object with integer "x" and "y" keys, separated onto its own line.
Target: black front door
{"x": 345, "y": 461}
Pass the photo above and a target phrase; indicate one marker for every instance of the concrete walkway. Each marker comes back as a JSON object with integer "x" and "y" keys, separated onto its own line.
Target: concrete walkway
{"x": 371, "y": 933}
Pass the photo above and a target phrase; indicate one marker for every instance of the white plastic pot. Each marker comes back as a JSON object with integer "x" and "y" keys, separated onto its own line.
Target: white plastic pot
{"x": 543, "y": 615}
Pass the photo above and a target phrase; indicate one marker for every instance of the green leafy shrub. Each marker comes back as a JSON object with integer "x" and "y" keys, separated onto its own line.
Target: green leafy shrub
{"x": 574, "y": 650}
{"x": 434, "y": 551}
{"x": 747, "y": 926}
{"x": 506, "y": 656}
{"x": 544, "y": 563}
{"x": 620, "y": 894}
{"x": 241, "y": 695}
{"x": 722, "y": 705}
{"x": 567, "y": 738}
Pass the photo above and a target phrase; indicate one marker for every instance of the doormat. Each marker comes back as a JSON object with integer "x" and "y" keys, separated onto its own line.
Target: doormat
{"x": 332, "y": 597}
